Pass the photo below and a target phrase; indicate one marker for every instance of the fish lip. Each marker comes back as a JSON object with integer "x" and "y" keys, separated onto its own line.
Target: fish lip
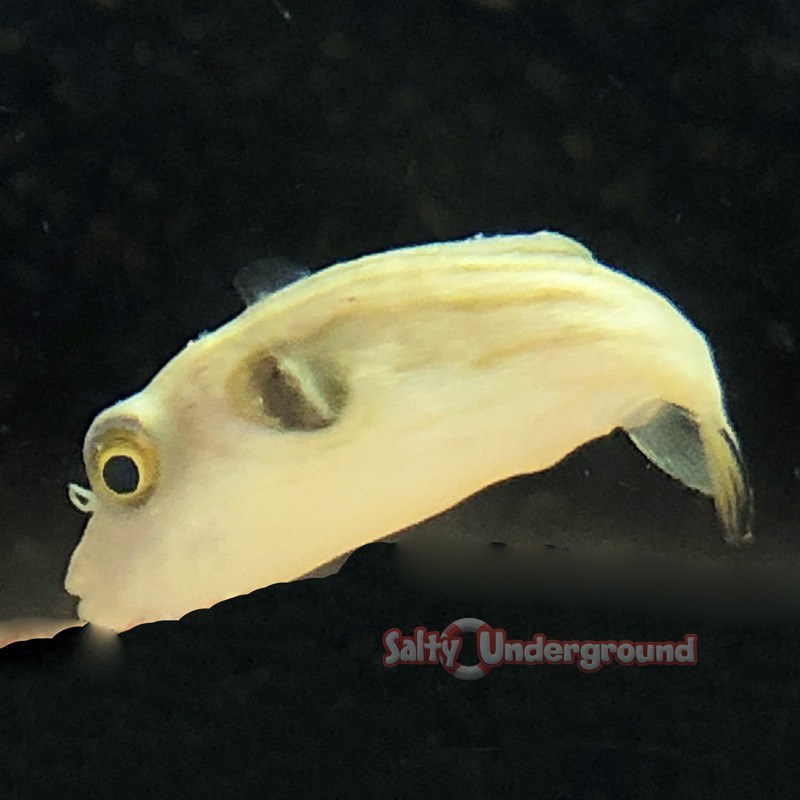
{"x": 83, "y": 499}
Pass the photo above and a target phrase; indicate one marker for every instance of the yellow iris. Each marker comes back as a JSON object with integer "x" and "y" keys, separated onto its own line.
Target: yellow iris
{"x": 123, "y": 463}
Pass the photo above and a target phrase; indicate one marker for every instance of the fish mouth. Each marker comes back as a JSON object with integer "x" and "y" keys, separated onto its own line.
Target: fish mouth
{"x": 83, "y": 499}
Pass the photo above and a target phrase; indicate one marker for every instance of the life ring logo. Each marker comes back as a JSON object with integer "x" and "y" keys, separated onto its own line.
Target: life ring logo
{"x": 494, "y": 648}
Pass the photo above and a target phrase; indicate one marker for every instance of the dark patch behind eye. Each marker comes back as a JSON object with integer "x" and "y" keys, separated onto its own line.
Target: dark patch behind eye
{"x": 297, "y": 395}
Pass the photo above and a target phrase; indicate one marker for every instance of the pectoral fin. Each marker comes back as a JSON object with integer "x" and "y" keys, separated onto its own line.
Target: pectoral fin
{"x": 703, "y": 457}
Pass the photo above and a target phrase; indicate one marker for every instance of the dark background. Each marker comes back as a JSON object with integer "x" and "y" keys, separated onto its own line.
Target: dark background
{"x": 148, "y": 151}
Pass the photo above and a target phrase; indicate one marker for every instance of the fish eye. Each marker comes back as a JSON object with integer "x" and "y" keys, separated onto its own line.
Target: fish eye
{"x": 122, "y": 462}
{"x": 121, "y": 474}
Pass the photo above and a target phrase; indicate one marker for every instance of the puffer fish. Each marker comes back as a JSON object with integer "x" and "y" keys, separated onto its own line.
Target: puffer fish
{"x": 374, "y": 394}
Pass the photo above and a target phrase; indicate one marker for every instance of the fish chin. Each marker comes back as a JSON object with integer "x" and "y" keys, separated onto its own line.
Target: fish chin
{"x": 99, "y": 613}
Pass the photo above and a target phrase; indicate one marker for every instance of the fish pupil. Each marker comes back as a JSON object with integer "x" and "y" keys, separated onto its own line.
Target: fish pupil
{"x": 121, "y": 474}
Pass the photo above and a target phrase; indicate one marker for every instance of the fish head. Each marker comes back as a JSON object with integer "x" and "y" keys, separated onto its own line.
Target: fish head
{"x": 195, "y": 480}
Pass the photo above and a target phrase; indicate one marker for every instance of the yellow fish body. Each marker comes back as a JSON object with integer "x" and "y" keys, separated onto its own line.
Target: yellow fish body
{"x": 373, "y": 395}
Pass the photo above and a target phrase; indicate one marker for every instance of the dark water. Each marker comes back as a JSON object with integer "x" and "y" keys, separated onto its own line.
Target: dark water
{"x": 149, "y": 151}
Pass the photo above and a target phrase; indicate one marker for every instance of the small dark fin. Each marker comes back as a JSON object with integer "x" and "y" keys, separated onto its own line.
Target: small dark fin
{"x": 266, "y": 276}
{"x": 288, "y": 393}
{"x": 672, "y": 441}
{"x": 703, "y": 458}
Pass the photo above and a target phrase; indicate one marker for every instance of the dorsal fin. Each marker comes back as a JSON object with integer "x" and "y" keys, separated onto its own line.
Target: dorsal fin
{"x": 265, "y": 276}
